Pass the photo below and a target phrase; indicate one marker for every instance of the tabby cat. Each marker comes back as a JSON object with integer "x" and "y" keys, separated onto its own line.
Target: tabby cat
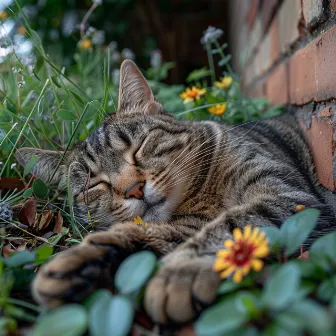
{"x": 193, "y": 182}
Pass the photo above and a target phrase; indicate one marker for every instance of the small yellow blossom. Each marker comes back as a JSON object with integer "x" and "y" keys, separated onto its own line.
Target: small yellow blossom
{"x": 224, "y": 83}
{"x": 86, "y": 44}
{"x": 3, "y": 15}
{"x": 138, "y": 221}
{"x": 21, "y": 30}
{"x": 242, "y": 253}
{"x": 192, "y": 94}
{"x": 218, "y": 109}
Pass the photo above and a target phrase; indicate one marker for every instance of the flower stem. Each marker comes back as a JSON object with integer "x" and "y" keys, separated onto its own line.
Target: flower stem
{"x": 211, "y": 63}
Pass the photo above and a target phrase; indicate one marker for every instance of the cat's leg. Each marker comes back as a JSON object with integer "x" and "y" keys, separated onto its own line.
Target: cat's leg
{"x": 75, "y": 273}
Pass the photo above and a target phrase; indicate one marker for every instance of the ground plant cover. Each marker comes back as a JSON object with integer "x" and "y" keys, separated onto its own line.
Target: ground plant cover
{"x": 49, "y": 105}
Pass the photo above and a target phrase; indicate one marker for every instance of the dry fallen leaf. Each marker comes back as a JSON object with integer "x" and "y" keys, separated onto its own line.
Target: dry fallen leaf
{"x": 58, "y": 223}
{"x": 28, "y": 212}
{"x": 7, "y": 251}
{"x": 304, "y": 256}
{"x": 44, "y": 220}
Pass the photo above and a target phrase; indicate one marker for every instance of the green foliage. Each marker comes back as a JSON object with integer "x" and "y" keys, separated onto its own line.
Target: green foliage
{"x": 294, "y": 297}
{"x": 134, "y": 272}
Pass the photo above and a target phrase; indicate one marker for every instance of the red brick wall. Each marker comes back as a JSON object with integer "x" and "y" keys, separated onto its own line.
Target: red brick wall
{"x": 286, "y": 50}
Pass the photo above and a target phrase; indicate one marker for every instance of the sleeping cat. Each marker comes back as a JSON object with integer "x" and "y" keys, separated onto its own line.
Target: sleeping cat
{"x": 193, "y": 182}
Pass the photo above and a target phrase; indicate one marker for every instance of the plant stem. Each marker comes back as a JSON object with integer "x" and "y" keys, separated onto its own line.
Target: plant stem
{"x": 222, "y": 55}
{"x": 24, "y": 126}
{"x": 211, "y": 63}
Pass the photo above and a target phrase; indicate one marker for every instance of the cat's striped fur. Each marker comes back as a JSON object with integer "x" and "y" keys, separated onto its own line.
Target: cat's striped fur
{"x": 199, "y": 180}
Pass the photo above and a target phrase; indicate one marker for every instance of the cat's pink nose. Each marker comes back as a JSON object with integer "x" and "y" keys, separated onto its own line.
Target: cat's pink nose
{"x": 135, "y": 190}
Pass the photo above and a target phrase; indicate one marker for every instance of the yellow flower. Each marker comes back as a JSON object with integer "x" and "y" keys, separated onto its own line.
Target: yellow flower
{"x": 138, "y": 221}
{"x": 300, "y": 207}
{"x": 242, "y": 254}
{"x": 86, "y": 44}
{"x": 217, "y": 109}
{"x": 192, "y": 94}
{"x": 224, "y": 83}
{"x": 3, "y": 15}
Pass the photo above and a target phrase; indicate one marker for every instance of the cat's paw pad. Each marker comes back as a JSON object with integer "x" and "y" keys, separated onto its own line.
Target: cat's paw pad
{"x": 180, "y": 291}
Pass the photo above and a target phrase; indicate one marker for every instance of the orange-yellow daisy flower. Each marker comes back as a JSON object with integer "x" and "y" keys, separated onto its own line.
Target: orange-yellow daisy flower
{"x": 138, "y": 221}
{"x": 86, "y": 44}
{"x": 218, "y": 109}
{"x": 242, "y": 254}
{"x": 192, "y": 94}
{"x": 224, "y": 83}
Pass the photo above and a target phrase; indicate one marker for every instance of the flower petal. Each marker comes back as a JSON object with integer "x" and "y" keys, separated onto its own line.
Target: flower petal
{"x": 223, "y": 253}
{"x": 229, "y": 243}
{"x": 227, "y": 272}
{"x": 237, "y": 234}
{"x": 257, "y": 264}
{"x": 261, "y": 251}
{"x": 220, "y": 265}
{"x": 247, "y": 231}
{"x": 238, "y": 276}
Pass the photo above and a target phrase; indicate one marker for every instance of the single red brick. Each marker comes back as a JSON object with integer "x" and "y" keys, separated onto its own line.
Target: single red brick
{"x": 277, "y": 85}
{"x": 320, "y": 138}
{"x": 312, "y": 70}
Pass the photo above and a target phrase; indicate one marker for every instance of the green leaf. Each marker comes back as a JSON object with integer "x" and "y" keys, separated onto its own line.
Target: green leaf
{"x": 109, "y": 314}
{"x": 273, "y": 235}
{"x": 134, "y": 272}
{"x": 307, "y": 315}
{"x": 55, "y": 81}
{"x": 324, "y": 247}
{"x": 20, "y": 258}
{"x": 77, "y": 97}
{"x": 296, "y": 229}
{"x": 282, "y": 287}
{"x": 198, "y": 74}
{"x": 30, "y": 165}
{"x": 39, "y": 64}
{"x": 40, "y": 189}
{"x": 43, "y": 253}
{"x": 248, "y": 303}
{"x": 100, "y": 295}
{"x": 327, "y": 289}
{"x": 227, "y": 286}
{"x": 276, "y": 329}
{"x": 69, "y": 320}
{"x": 28, "y": 193}
{"x": 66, "y": 115}
{"x": 220, "y": 319}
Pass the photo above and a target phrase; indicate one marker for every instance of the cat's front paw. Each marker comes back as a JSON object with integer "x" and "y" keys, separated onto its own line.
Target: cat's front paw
{"x": 181, "y": 290}
{"x": 74, "y": 274}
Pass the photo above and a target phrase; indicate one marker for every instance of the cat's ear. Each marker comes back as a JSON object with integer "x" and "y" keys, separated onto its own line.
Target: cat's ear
{"x": 135, "y": 95}
{"x": 45, "y": 166}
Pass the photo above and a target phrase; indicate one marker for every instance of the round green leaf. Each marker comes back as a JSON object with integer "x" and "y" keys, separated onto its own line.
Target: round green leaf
{"x": 282, "y": 287}
{"x": 66, "y": 115}
{"x": 40, "y": 189}
{"x": 100, "y": 295}
{"x": 110, "y": 316}
{"x": 227, "y": 286}
{"x": 69, "y": 320}
{"x": 20, "y": 258}
{"x": 273, "y": 235}
{"x": 296, "y": 229}
{"x": 324, "y": 247}
{"x": 134, "y": 272}
{"x": 220, "y": 319}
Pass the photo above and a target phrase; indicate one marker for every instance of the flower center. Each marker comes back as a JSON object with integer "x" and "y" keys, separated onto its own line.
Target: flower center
{"x": 242, "y": 254}
{"x": 193, "y": 94}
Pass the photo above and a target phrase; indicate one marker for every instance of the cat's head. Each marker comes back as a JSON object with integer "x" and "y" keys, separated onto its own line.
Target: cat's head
{"x": 129, "y": 166}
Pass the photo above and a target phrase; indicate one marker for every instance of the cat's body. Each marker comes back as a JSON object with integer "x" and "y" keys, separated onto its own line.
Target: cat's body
{"x": 192, "y": 182}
